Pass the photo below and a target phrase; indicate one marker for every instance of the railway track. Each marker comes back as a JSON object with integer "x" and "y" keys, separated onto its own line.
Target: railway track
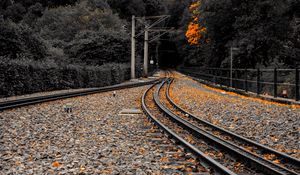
{"x": 269, "y": 155}
{"x": 155, "y": 115}
{"x": 222, "y": 150}
{"x": 175, "y": 160}
{"x": 34, "y": 100}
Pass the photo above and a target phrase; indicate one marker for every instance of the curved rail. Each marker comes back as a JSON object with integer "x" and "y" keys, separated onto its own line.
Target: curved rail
{"x": 34, "y": 100}
{"x": 282, "y": 156}
{"x": 200, "y": 155}
{"x": 252, "y": 159}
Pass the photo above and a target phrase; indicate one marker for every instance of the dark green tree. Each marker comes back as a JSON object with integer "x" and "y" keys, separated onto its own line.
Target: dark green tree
{"x": 19, "y": 40}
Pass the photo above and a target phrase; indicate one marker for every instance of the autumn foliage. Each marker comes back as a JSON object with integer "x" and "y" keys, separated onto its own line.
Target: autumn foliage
{"x": 195, "y": 31}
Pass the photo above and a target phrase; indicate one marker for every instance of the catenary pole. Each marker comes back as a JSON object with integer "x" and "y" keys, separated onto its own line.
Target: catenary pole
{"x": 133, "y": 48}
{"x": 146, "y": 47}
{"x": 156, "y": 55}
{"x": 231, "y": 59}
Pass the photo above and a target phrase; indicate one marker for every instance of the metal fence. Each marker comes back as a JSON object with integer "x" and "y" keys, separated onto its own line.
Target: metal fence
{"x": 273, "y": 82}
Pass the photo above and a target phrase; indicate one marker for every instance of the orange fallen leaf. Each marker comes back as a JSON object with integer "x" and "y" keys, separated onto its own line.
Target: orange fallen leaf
{"x": 188, "y": 169}
{"x": 142, "y": 151}
{"x": 177, "y": 155}
{"x": 274, "y": 139}
{"x": 18, "y": 163}
{"x": 190, "y": 139}
{"x": 237, "y": 164}
{"x": 164, "y": 159}
{"x": 249, "y": 148}
{"x": 269, "y": 156}
{"x": 56, "y": 164}
{"x": 106, "y": 171}
{"x": 191, "y": 160}
{"x": 179, "y": 151}
{"x": 178, "y": 167}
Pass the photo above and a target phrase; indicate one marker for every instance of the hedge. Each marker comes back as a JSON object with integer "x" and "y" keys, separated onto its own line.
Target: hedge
{"x": 25, "y": 77}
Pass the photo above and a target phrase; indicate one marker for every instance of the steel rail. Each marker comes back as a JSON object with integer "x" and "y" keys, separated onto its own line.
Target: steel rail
{"x": 251, "y": 159}
{"x": 285, "y": 157}
{"x": 220, "y": 169}
{"x": 39, "y": 99}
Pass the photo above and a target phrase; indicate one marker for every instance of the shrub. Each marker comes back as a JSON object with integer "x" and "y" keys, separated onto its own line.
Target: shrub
{"x": 25, "y": 76}
{"x": 97, "y": 48}
{"x": 64, "y": 23}
{"x": 18, "y": 39}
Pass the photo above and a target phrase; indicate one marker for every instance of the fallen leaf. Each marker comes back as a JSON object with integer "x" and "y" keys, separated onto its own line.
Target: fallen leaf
{"x": 142, "y": 151}
{"x": 164, "y": 159}
{"x": 82, "y": 168}
{"x": 56, "y": 164}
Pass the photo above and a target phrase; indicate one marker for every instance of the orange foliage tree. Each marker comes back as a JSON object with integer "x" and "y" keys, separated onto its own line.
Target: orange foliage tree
{"x": 195, "y": 31}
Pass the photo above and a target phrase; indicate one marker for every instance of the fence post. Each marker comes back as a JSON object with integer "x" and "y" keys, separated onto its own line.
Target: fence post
{"x": 258, "y": 82}
{"x": 228, "y": 76}
{"x": 297, "y": 85}
{"x": 217, "y": 76}
{"x": 246, "y": 81}
{"x": 236, "y": 81}
{"x": 275, "y": 82}
{"x": 231, "y": 78}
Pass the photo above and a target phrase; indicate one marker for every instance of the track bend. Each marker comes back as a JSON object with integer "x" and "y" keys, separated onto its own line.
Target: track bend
{"x": 179, "y": 134}
{"x": 252, "y": 154}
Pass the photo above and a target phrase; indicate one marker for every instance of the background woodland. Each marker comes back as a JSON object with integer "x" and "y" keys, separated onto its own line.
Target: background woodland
{"x": 63, "y": 42}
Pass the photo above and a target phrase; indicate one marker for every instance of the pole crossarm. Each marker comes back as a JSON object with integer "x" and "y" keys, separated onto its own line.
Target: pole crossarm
{"x": 160, "y": 30}
{"x": 158, "y": 21}
{"x": 157, "y": 30}
{"x": 161, "y": 34}
{"x": 140, "y": 34}
{"x": 153, "y": 17}
{"x": 143, "y": 21}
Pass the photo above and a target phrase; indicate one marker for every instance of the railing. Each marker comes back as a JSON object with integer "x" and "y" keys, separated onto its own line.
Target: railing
{"x": 273, "y": 82}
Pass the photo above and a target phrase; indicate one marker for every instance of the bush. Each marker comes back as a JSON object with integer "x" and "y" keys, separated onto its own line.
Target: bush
{"x": 97, "y": 48}
{"x": 18, "y": 39}
{"x": 64, "y": 23}
{"x": 86, "y": 33}
{"x": 18, "y": 77}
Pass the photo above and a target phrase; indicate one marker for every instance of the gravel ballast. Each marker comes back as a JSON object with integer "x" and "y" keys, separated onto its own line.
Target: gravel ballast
{"x": 91, "y": 139}
{"x": 268, "y": 123}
